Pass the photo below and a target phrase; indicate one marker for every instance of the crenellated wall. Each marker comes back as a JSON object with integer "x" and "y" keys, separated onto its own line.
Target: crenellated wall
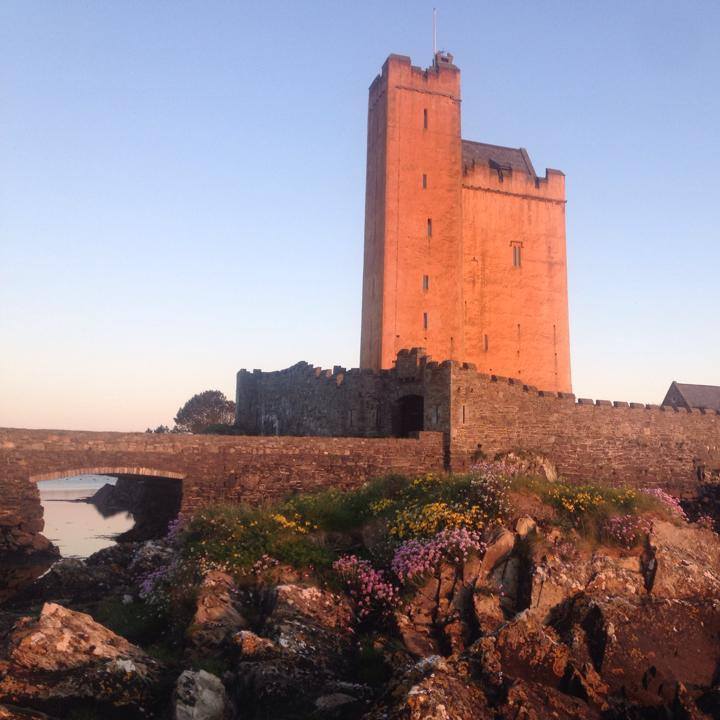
{"x": 307, "y": 400}
{"x": 620, "y": 442}
{"x": 615, "y": 442}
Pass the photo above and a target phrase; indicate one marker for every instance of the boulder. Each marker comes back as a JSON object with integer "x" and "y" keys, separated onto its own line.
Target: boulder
{"x": 71, "y": 580}
{"x": 642, "y": 648}
{"x": 8, "y": 712}
{"x": 687, "y": 561}
{"x": 251, "y": 645}
{"x": 307, "y": 654}
{"x": 217, "y": 615}
{"x": 532, "y": 651}
{"x": 65, "y": 656}
{"x": 433, "y": 689}
{"x": 525, "y": 526}
{"x": 336, "y": 705}
{"x": 200, "y": 696}
{"x": 534, "y": 701}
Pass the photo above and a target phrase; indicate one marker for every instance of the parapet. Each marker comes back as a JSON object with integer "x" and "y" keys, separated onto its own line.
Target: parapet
{"x": 467, "y": 372}
{"x": 443, "y": 76}
{"x": 510, "y": 170}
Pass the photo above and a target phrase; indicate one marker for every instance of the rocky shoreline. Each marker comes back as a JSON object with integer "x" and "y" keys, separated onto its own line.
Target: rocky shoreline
{"x": 537, "y": 623}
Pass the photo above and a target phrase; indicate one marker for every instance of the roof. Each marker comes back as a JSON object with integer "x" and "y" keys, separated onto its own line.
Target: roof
{"x": 498, "y": 157}
{"x": 695, "y": 396}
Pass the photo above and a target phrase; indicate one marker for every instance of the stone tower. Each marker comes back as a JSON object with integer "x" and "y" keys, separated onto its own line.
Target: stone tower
{"x": 464, "y": 243}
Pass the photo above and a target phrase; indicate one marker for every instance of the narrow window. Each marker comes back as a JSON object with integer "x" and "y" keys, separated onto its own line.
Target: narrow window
{"x": 425, "y": 321}
{"x": 485, "y": 343}
{"x": 425, "y": 118}
{"x": 517, "y": 255}
{"x": 424, "y": 181}
{"x": 350, "y": 418}
{"x": 426, "y": 282}
{"x": 436, "y": 415}
{"x": 429, "y": 227}
{"x": 463, "y": 414}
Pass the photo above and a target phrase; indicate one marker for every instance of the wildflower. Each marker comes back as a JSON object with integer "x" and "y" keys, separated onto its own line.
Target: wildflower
{"x": 415, "y": 559}
{"x": 374, "y": 595}
{"x": 668, "y": 501}
{"x": 626, "y": 530}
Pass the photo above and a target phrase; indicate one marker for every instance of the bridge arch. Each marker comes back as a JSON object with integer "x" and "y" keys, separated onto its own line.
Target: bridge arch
{"x": 112, "y": 471}
{"x": 153, "y": 497}
{"x": 209, "y": 468}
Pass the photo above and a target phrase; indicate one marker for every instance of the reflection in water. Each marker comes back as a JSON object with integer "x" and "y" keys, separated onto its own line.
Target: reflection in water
{"x": 77, "y": 528}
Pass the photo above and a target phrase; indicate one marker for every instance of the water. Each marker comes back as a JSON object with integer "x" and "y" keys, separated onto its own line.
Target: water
{"x": 77, "y": 528}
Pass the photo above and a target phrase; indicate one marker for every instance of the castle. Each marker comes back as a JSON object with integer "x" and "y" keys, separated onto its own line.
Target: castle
{"x": 465, "y": 314}
{"x": 464, "y": 262}
{"x": 464, "y": 243}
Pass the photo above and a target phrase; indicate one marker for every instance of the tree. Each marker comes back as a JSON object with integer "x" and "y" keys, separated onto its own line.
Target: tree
{"x": 159, "y": 429}
{"x": 204, "y": 409}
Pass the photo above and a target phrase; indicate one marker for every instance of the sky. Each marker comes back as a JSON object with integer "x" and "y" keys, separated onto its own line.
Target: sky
{"x": 182, "y": 187}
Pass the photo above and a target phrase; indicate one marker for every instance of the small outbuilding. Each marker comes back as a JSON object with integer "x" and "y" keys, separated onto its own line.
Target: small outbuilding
{"x": 706, "y": 397}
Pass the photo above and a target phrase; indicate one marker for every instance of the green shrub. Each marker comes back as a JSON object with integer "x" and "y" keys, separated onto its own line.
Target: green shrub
{"x": 235, "y": 538}
{"x": 136, "y": 621}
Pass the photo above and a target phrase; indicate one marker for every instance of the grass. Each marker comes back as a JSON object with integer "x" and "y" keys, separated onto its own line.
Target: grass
{"x": 587, "y": 508}
{"x": 136, "y": 621}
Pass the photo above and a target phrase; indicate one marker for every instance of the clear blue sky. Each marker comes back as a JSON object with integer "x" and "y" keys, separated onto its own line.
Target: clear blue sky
{"x": 182, "y": 187}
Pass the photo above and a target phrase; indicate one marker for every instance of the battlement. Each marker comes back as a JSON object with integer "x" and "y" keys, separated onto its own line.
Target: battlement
{"x": 483, "y": 414}
{"x": 467, "y": 372}
{"x": 441, "y": 77}
{"x": 510, "y": 171}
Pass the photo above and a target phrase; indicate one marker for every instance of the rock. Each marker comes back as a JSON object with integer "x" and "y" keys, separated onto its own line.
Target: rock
{"x": 65, "y": 655}
{"x": 433, "y": 689}
{"x": 8, "y": 712}
{"x": 415, "y": 621}
{"x": 642, "y": 648}
{"x": 118, "y": 569}
{"x": 252, "y": 645}
{"x": 489, "y": 615}
{"x": 71, "y": 581}
{"x": 217, "y": 617}
{"x": 150, "y": 556}
{"x": 533, "y": 701}
{"x": 531, "y": 651}
{"x": 312, "y": 640}
{"x": 335, "y": 705}
{"x": 497, "y": 551}
{"x": 687, "y": 560}
{"x": 525, "y": 526}
{"x": 485, "y": 652}
{"x": 319, "y": 607}
{"x": 585, "y": 683}
{"x": 200, "y": 696}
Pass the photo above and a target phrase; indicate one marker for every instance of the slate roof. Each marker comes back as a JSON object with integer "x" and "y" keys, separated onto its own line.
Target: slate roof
{"x": 694, "y": 396}
{"x": 515, "y": 159}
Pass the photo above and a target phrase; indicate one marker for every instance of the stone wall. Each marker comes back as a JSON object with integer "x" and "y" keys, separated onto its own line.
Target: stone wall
{"x": 616, "y": 442}
{"x": 307, "y": 400}
{"x": 212, "y": 468}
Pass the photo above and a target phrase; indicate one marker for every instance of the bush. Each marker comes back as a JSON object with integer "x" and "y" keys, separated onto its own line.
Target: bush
{"x": 374, "y": 595}
{"x": 416, "y": 559}
{"x": 626, "y": 530}
{"x": 234, "y": 538}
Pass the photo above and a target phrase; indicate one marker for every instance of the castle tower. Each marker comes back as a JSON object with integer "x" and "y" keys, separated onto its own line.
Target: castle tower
{"x": 412, "y": 284}
{"x": 464, "y": 244}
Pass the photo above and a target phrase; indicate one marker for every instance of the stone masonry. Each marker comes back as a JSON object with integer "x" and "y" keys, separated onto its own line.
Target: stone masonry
{"x": 211, "y": 468}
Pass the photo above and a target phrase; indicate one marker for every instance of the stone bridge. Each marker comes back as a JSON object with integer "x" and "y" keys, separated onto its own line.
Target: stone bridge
{"x": 211, "y": 468}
